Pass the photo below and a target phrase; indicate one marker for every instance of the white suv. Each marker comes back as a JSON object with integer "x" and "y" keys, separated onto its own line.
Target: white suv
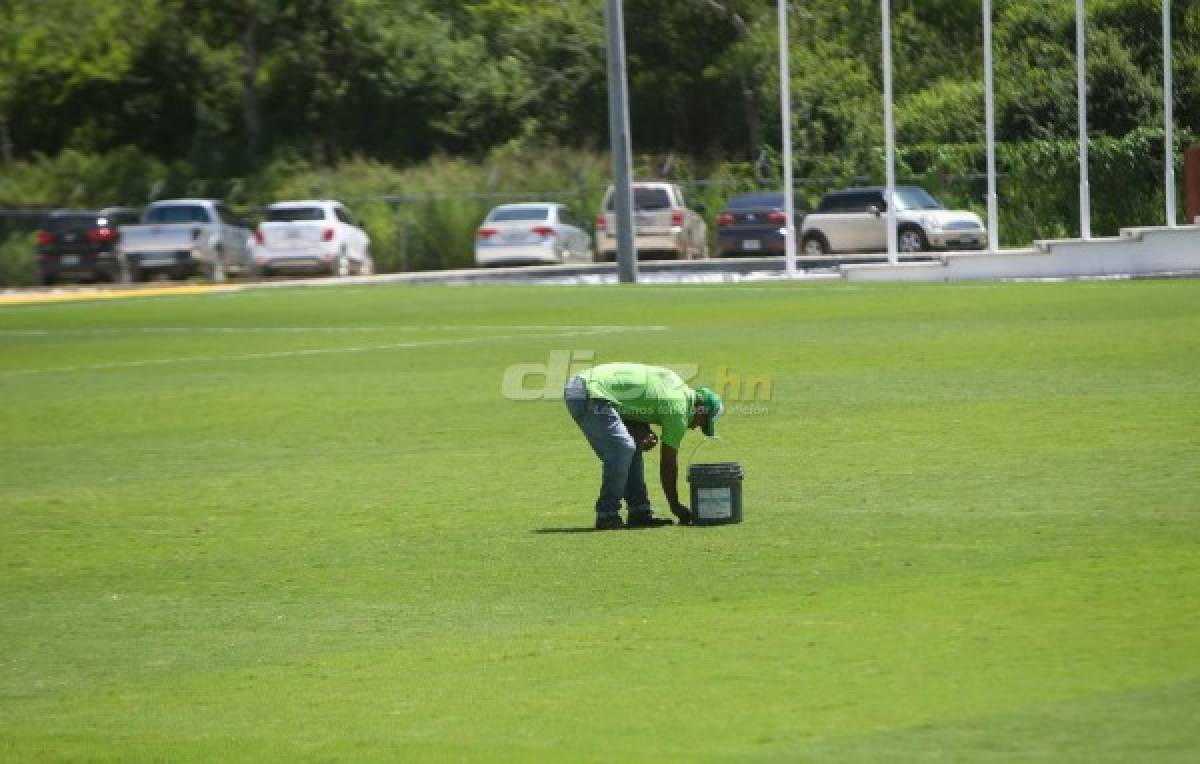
{"x": 663, "y": 224}
{"x": 855, "y": 220}
{"x": 311, "y": 235}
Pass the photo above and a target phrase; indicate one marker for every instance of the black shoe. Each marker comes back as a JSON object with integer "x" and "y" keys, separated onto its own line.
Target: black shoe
{"x": 648, "y": 521}
{"x": 609, "y": 522}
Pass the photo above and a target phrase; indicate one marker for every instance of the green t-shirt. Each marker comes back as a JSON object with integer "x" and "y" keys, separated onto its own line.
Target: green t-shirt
{"x": 643, "y": 393}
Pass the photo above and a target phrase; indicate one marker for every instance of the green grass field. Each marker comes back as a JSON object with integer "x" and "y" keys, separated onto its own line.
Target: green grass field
{"x": 303, "y": 524}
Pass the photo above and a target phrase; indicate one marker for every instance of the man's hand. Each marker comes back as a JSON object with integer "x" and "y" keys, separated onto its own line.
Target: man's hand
{"x": 642, "y": 434}
{"x": 683, "y": 513}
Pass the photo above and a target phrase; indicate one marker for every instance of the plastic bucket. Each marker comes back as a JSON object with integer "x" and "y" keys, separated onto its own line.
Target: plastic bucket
{"x": 716, "y": 493}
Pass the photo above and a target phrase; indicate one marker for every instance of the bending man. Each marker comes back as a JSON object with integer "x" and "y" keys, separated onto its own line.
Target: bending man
{"x": 614, "y": 404}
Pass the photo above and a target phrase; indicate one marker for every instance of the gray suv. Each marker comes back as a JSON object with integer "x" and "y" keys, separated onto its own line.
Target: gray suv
{"x": 855, "y": 220}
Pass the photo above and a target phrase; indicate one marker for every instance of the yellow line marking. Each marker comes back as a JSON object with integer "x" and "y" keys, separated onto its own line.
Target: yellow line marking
{"x": 34, "y": 298}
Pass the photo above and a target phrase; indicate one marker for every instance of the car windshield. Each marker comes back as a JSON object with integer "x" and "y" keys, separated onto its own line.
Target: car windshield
{"x": 68, "y": 222}
{"x": 504, "y": 214}
{"x": 756, "y": 202}
{"x": 293, "y": 214}
{"x": 646, "y": 199}
{"x": 177, "y": 214}
{"x": 915, "y": 199}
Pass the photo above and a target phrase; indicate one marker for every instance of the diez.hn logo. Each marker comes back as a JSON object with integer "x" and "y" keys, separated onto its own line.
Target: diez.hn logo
{"x": 545, "y": 380}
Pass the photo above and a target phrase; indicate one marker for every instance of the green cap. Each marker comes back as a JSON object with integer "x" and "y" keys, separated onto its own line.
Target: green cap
{"x": 712, "y": 404}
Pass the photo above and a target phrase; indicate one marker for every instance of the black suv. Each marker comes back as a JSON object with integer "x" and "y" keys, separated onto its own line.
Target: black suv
{"x": 82, "y": 244}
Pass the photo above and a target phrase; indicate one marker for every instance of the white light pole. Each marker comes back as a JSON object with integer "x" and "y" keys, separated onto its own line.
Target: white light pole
{"x": 889, "y": 129}
{"x": 989, "y": 100}
{"x": 785, "y": 110}
{"x": 1168, "y": 113}
{"x": 1085, "y": 204}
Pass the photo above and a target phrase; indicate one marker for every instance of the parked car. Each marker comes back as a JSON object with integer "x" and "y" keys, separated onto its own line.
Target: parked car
{"x": 312, "y": 236}
{"x": 536, "y": 232}
{"x": 755, "y": 224}
{"x": 855, "y": 220}
{"x": 663, "y": 224}
{"x": 187, "y": 237}
{"x": 82, "y": 244}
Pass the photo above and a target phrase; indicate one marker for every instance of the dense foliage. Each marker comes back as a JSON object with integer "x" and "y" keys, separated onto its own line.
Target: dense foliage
{"x": 106, "y": 101}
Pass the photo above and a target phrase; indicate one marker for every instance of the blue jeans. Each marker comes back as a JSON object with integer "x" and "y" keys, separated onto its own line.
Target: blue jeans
{"x": 623, "y": 475}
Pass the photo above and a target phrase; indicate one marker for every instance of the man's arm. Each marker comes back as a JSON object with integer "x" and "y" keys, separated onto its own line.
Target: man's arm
{"x": 668, "y": 473}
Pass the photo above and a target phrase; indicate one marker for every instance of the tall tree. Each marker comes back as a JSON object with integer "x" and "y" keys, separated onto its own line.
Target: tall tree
{"x": 71, "y": 42}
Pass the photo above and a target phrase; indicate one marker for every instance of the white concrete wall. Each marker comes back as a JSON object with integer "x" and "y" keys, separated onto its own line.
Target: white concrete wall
{"x": 1137, "y": 251}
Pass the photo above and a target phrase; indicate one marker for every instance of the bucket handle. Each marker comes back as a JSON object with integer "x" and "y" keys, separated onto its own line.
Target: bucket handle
{"x": 699, "y": 443}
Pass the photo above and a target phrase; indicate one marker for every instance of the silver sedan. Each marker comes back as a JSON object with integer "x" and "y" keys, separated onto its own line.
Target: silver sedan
{"x": 535, "y": 232}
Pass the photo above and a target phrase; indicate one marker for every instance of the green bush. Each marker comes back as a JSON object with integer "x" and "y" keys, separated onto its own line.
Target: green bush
{"x": 425, "y": 216}
{"x": 16, "y": 261}
{"x": 77, "y": 179}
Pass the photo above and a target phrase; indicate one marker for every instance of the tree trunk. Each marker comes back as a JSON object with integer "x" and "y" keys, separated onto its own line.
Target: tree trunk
{"x": 752, "y": 97}
{"x": 6, "y": 145}
{"x": 751, "y": 90}
{"x": 251, "y": 116}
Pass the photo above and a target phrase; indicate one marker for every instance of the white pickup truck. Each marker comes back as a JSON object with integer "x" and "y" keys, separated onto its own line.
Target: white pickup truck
{"x": 187, "y": 237}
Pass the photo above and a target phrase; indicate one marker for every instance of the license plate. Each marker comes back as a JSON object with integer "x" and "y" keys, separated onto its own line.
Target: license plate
{"x": 751, "y": 245}
{"x": 70, "y": 260}
{"x": 293, "y": 234}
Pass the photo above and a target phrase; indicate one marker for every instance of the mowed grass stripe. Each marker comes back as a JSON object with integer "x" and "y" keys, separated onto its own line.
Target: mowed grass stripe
{"x": 275, "y": 354}
{"x": 841, "y": 665}
{"x": 970, "y": 532}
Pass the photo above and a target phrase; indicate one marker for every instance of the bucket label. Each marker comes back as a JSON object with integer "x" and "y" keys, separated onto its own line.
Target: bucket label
{"x": 714, "y": 503}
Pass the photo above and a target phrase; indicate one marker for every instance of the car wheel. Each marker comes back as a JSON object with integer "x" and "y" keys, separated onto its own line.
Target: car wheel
{"x": 121, "y": 272}
{"x": 340, "y": 267}
{"x": 47, "y": 279}
{"x": 216, "y": 269}
{"x": 814, "y": 244}
{"x": 912, "y": 239}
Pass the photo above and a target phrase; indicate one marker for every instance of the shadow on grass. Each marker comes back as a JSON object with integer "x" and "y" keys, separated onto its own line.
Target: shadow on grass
{"x": 590, "y": 529}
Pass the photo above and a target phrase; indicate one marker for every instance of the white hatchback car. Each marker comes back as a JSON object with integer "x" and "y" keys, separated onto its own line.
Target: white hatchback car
{"x": 311, "y": 235}
{"x": 853, "y": 220}
{"x": 536, "y": 232}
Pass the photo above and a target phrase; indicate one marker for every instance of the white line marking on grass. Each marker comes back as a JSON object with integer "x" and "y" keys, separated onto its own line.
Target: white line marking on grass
{"x": 579, "y": 332}
{"x": 314, "y": 329}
